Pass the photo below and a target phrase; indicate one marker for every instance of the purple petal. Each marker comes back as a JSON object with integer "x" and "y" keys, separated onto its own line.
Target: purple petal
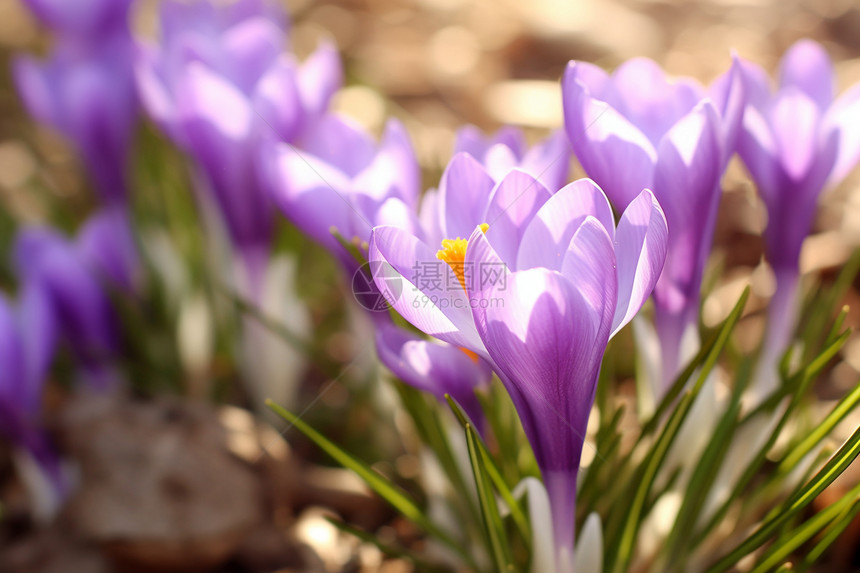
{"x": 644, "y": 95}
{"x": 590, "y": 266}
{"x": 547, "y": 237}
{"x": 757, "y": 88}
{"x": 464, "y": 193}
{"x": 341, "y": 143}
{"x": 687, "y": 187}
{"x": 757, "y": 148}
{"x": 277, "y": 100}
{"x": 210, "y": 104}
{"x": 434, "y": 303}
{"x": 471, "y": 140}
{"x": 807, "y": 67}
{"x": 320, "y": 76}
{"x": 253, "y": 45}
{"x": 433, "y": 367}
{"x": 39, "y": 337}
{"x": 729, "y": 97}
{"x": 611, "y": 150}
{"x": 35, "y": 83}
{"x": 107, "y": 245}
{"x": 14, "y": 370}
{"x": 640, "y": 250}
{"x": 499, "y": 160}
{"x": 394, "y": 170}
{"x": 513, "y": 204}
{"x": 544, "y": 341}
{"x": 795, "y": 118}
{"x": 549, "y": 161}
{"x": 307, "y": 190}
{"x": 843, "y": 119}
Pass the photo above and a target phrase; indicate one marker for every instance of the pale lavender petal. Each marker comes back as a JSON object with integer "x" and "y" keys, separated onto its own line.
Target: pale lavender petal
{"x": 544, "y": 341}
{"x": 434, "y": 303}
{"x": 729, "y": 96}
{"x": 307, "y": 190}
{"x": 39, "y": 337}
{"x": 433, "y": 367}
{"x": 320, "y": 76}
{"x": 513, "y": 203}
{"x": 471, "y": 140}
{"x": 687, "y": 187}
{"x": 611, "y": 149}
{"x": 843, "y": 118}
{"x": 590, "y": 266}
{"x": 546, "y": 239}
{"x": 640, "y": 249}
{"x": 277, "y": 101}
{"x": 394, "y": 170}
{"x": 499, "y": 159}
{"x": 757, "y": 87}
{"x": 807, "y": 67}
{"x": 341, "y": 143}
{"x": 795, "y": 118}
{"x": 549, "y": 161}
{"x": 645, "y": 96}
{"x": 254, "y": 45}
{"x": 464, "y": 192}
{"x": 757, "y": 148}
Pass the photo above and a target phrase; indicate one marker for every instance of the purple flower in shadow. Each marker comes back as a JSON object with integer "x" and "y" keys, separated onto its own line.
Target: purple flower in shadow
{"x": 88, "y": 95}
{"x": 74, "y": 278}
{"x": 27, "y": 344}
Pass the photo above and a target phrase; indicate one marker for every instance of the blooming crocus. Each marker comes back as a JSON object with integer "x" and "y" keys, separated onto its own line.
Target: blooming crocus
{"x": 74, "y": 276}
{"x": 548, "y": 161}
{"x": 796, "y": 141}
{"x": 87, "y": 93}
{"x": 637, "y": 129}
{"x": 539, "y": 288}
{"x": 218, "y": 82}
{"x": 27, "y": 343}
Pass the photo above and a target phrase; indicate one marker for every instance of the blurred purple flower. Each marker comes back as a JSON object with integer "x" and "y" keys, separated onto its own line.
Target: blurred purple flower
{"x": 74, "y": 277}
{"x": 539, "y": 289}
{"x": 795, "y": 142}
{"x": 636, "y": 129}
{"x": 217, "y": 83}
{"x": 81, "y": 19}
{"x": 548, "y": 161}
{"x": 88, "y": 95}
{"x": 27, "y": 343}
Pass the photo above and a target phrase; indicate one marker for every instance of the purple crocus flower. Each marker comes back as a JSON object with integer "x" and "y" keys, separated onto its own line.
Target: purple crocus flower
{"x": 87, "y": 93}
{"x": 540, "y": 287}
{"x": 548, "y": 161}
{"x": 636, "y": 129}
{"x": 74, "y": 277}
{"x": 82, "y": 19}
{"x": 796, "y": 142}
{"x": 338, "y": 178}
{"x": 27, "y": 343}
{"x": 216, "y": 84}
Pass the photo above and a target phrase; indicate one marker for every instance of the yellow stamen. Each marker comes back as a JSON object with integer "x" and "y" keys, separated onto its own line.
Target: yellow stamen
{"x": 453, "y": 252}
